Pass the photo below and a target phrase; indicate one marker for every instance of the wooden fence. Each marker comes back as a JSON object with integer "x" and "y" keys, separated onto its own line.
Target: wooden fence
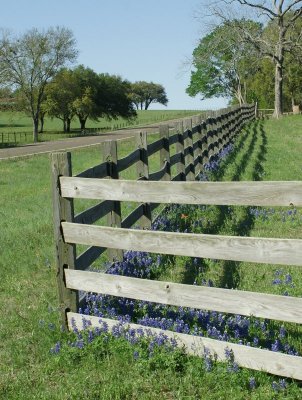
{"x": 13, "y": 138}
{"x": 196, "y": 144}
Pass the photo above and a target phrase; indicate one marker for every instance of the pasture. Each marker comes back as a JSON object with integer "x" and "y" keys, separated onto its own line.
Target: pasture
{"x": 30, "y": 325}
{"x": 16, "y": 127}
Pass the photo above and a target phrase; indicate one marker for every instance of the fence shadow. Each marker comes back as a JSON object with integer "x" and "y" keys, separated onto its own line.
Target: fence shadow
{"x": 230, "y": 275}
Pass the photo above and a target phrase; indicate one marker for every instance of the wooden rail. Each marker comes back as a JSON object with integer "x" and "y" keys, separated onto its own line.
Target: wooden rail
{"x": 195, "y": 143}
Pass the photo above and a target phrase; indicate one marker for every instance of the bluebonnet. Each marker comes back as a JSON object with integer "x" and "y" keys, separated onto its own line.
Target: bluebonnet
{"x": 225, "y": 327}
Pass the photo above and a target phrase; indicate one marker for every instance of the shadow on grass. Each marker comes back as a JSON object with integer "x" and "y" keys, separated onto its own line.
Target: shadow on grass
{"x": 8, "y": 145}
{"x": 244, "y": 221}
{"x": 230, "y": 275}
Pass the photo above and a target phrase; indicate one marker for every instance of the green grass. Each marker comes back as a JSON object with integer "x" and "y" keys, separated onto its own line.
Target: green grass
{"x": 17, "y": 127}
{"x": 29, "y": 323}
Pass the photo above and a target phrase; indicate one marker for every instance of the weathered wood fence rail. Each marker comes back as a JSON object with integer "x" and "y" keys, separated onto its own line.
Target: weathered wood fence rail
{"x": 195, "y": 145}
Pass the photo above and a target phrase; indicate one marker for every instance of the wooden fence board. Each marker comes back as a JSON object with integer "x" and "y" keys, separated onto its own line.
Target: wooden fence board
{"x": 63, "y": 209}
{"x": 258, "y": 250}
{"x": 245, "y": 356}
{"x": 282, "y": 308}
{"x": 219, "y": 193}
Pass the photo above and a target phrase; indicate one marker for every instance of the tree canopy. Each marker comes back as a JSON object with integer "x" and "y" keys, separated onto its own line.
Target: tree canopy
{"x": 220, "y": 62}
{"x": 251, "y": 61}
{"x": 83, "y": 93}
{"x": 29, "y": 62}
{"x": 144, "y": 93}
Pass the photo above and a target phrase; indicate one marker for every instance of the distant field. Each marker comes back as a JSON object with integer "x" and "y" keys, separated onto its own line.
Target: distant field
{"x": 17, "y": 127}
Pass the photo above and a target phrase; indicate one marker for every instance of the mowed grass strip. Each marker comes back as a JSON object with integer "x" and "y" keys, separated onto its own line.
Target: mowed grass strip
{"x": 29, "y": 323}
{"x": 14, "y": 125}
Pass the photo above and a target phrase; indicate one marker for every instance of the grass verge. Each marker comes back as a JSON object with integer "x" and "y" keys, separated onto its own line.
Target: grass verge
{"x": 29, "y": 323}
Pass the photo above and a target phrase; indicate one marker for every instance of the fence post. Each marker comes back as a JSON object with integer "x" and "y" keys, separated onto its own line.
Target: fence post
{"x": 204, "y": 144}
{"x": 210, "y": 136}
{"x": 165, "y": 151}
{"x": 198, "y": 151}
{"x": 181, "y": 169}
{"x": 65, "y": 252}
{"x": 114, "y": 218}
{"x": 189, "y": 157}
{"x": 142, "y": 168}
{"x": 219, "y": 130}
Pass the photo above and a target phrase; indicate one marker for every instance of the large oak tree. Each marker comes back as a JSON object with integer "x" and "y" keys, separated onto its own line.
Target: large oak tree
{"x": 144, "y": 93}
{"x": 30, "y": 61}
{"x": 83, "y": 93}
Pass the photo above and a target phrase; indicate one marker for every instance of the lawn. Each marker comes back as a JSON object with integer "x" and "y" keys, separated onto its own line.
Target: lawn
{"x": 30, "y": 325}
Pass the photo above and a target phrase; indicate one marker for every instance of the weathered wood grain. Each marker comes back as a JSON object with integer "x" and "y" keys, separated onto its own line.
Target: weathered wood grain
{"x": 180, "y": 167}
{"x": 258, "y": 250}
{"x": 282, "y": 308}
{"x": 114, "y": 217}
{"x": 245, "y": 356}
{"x": 65, "y": 253}
{"x": 164, "y": 156}
{"x": 188, "y": 152}
{"x": 260, "y": 193}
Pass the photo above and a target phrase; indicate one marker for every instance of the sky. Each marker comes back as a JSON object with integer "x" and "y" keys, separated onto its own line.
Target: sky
{"x": 140, "y": 40}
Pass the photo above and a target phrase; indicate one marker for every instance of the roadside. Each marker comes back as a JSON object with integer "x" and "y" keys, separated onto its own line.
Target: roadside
{"x": 68, "y": 144}
{"x": 71, "y": 143}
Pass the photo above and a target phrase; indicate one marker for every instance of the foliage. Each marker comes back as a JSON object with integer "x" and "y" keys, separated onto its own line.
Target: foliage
{"x": 281, "y": 35}
{"x": 30, "y": 61}
{"x": 222, "y": 62}
{"x": 86, "y": 94}
{"x": 256, "y": 59}
{"x": 59, "y": 95}
{"x": 143, "y": 93}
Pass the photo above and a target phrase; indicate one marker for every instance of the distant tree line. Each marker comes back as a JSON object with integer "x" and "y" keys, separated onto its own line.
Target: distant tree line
{"x": 35, "y": 78}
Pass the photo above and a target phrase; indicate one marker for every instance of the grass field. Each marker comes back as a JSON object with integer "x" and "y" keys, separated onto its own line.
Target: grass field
{"x": 17, "y": 127}
{"x": 29, "y": 323}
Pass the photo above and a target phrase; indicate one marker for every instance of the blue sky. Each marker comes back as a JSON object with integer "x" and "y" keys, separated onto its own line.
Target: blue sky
{"x": 136, "y": 39}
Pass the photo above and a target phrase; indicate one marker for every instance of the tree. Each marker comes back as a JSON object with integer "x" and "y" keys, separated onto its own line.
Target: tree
{"x": 85, "y": 87}
{"x": 222, "y": 62}
{"x": 281, "y": 35}
{"x": 144, "y": 93}
{"x": 260, "y": 84}
{"x": 60, "y": 93}
{"x": 86, "y": 94}
{"x": 30, "y": 61}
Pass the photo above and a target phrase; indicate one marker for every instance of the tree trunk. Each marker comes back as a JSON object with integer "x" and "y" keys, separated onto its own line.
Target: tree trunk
{"x": 68, "y": 122}
{"x": 64, "y": 126}
{"x": 82, "y": 123}
{"x": 35, "y": 129}
{"x": 41, "y": 124}
{"x": 278, "y": 91}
